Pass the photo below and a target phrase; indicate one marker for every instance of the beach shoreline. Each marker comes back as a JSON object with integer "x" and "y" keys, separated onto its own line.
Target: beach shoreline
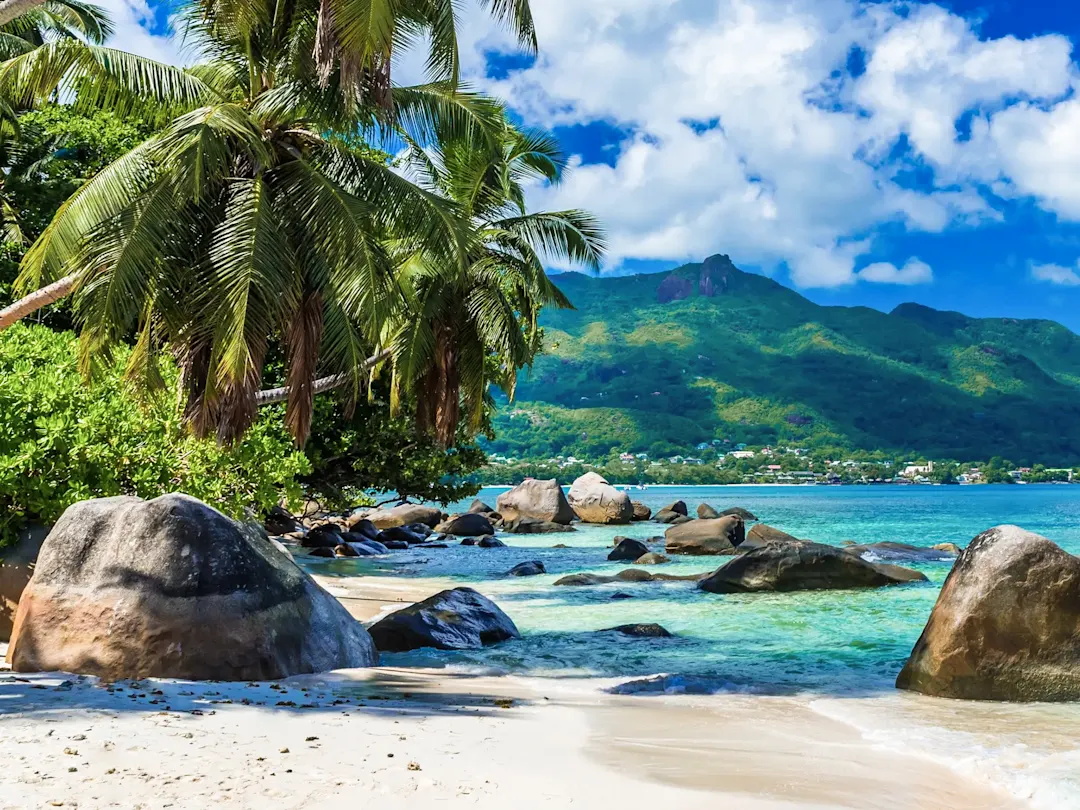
{"x": 416, "y": 738}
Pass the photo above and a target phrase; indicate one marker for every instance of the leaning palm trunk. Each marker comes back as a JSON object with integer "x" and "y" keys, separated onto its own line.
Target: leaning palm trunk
{"x": 10, "y": 9}
{"x": 36, "y": 300}
{"x": 321, "y": 385}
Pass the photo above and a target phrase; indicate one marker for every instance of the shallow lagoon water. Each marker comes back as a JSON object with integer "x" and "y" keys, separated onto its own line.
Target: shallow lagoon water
{"x": 839, "y": 651}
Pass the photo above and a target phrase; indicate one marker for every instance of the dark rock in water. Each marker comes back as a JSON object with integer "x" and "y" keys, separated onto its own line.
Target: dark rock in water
{"x": 670, "y": 517}
{"x": 400, "y": 533}
{"x": 420, "y": 529}
{"x": 628, "y": 550}
{"x": 469, "y": 524}
{"x": 363, "y": 528}
{"x": 594, "y": 500}
{"x": 706, "y": 512}
{"x": 490, "y": 542}
{"x": 639, "y": 630}
{"x": 761, "y": 535}
{"x": 629, "y": 575}
{"x": 395, "y": 545}
{"x": 678, "y": 507}
{"x": 280, "y": 521}
{"x": 345, "y": 550}
{"x": 1006, "y": 625}
{"x": 745, "y": 514}
{"x": 326, "y": 535}
{"x": 641, "y": 511}
{"x": 469, "y": 541}
{"x": 531, "y": 568}
{"x": 706, "y": 537}
{"x": 948, "y": 548}
{"x": 899, "y": 551}
{"x": 405, "y": 515}
{"x": 478, "y": 507}
{"x": 801, "y": 566}
{"x": 16, "y": 568}
{"x": 526, "y": 525}
{"x": 458, "y": 619}
{"x": 433, "y": 545}
{"x": 322, "y": 551}
{"x": 560, "y": 545}
{"x": 532, "y": 498}
{"x": 622, "y": 595}
{"x": 652, "y": 558}
{"x": 171, "y": 588}
{"x": 370, "y": 547}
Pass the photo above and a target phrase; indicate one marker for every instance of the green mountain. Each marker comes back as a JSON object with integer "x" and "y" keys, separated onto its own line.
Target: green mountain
{"x": 658, "y": 363}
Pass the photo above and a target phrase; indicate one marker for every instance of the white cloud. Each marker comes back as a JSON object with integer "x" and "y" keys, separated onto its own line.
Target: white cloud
{"x": 132, "y": 20}
{"x": 807, "y": 161}
{"x": 1056, "y": 274}
{"x": 913, "y": 272}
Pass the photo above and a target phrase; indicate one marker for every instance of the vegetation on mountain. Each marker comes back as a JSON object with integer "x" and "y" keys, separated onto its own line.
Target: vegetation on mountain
{"x": 661, "y": 363}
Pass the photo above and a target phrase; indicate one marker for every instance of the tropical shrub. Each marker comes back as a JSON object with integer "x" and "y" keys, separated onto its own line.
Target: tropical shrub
{"x": 63, "y": 440}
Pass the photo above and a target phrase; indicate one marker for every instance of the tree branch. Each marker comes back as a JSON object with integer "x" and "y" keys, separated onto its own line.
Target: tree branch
{"x": 321, "y": 385}
{"x": 37, "y": 299}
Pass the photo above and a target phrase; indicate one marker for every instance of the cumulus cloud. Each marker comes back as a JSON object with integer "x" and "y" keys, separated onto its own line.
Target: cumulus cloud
{"x": 1056, "y": 274}
{"x": 914, "y": 271}
{"x": 134, "y": 21}
{"x": 787, "y": 132}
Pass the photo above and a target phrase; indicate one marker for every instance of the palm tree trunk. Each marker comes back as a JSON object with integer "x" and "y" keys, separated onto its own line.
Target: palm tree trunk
{"x": 38, "y": 299}
{"x": 321, "y": 385}
{"x": 10, "y": 9}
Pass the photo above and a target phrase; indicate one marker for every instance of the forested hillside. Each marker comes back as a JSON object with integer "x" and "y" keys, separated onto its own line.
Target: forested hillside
{"x": 658, "y": 363}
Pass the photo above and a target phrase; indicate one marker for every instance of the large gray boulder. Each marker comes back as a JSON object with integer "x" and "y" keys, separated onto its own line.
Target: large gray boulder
{"x": 171, "y": 588}
{"x": 706, "y": 512}
{"x": 533, "y": 498}
{"x": 641, "y": 511}
{"x": 458, "y": 619}
{"x": 678, "y": 507}
{"x": 470, "y": 524}
{"x": 671, "y": 517}
{"x": 802, "y": 566}
{"x": 478, "y": 507}
{"x": 594, "y": 500}
{"x": 761, "y": 534}
{"x": 706, "y": 537}
{"x": 1006, "y": 625}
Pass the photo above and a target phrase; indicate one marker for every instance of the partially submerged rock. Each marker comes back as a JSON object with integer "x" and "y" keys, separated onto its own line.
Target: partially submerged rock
{"x": 802, "y": 566}
{"x": 641, "y": 511}
{"x": 470, "y": 524}
{"x": 627, "y": 550}
{"x": 325, "y": 535}
{"x": 745, "y": 514}
{"x": 706, "y": 512}
{"x": 670, "y": 517}
{"x": 678, "y": 507}
{"x": 531, "y": 568}
{"x": 652, "y": 558}
{"x": 761, "y": 534}
{"x": 706, "y": 537}
{"x": 899, "y": 551}
{"x": 458, "y": 619}
{"x": 171, "y": 588}
{"x": 629, "y": 575}
{"x": 1006, "y": 625}
{"x": 526, "y": 525}
{"x": 490, "y": 541}
{"x": 478, "y": 507}
{"x": 402, "y": 534}
{"x": 594, "y": 500}
{"x": 639, "y": 630}
{"x": 533, "y": 498}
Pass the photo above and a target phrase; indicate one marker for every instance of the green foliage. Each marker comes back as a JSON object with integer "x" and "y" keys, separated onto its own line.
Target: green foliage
{"x": 62, "y": 441}
{"x": 372, "y": 452}
{"x": 737, "y": 357}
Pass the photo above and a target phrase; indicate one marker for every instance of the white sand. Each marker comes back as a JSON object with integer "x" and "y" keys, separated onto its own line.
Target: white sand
{"x": 393, "y": 738}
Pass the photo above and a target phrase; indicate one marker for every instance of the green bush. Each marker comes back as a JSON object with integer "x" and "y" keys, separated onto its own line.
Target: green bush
{"x": 63, "y": 440}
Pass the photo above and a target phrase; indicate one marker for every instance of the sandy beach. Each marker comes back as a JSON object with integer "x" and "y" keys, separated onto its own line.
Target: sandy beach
{"x": 434, "y": 738}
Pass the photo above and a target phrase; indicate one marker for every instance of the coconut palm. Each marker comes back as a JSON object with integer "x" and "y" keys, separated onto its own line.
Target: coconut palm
{"x": 257, "y": 214}
{"x": 478, "y": 321}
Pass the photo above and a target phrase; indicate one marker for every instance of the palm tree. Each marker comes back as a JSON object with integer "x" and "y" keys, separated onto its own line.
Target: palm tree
{"x": 257, "y": 214}
{"x": 478, "y": 322}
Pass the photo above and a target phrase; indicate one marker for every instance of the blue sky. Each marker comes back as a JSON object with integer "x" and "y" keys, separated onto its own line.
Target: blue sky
{"x": 863, "y": 153}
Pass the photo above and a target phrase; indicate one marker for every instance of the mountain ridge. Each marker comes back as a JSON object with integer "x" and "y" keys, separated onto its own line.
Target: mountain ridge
{"x": 663, "y": 361}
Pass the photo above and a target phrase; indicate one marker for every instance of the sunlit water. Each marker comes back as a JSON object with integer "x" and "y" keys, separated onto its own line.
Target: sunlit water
{"x": 840, "y": 650}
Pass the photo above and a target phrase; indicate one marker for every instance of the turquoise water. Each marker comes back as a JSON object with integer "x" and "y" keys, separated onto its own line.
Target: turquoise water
{"x": 835, "y": 652}
{"x": 826, "y": 643}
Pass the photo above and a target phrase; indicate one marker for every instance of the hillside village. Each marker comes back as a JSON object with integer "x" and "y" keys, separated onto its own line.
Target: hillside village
{"x": 720, "y": 462}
